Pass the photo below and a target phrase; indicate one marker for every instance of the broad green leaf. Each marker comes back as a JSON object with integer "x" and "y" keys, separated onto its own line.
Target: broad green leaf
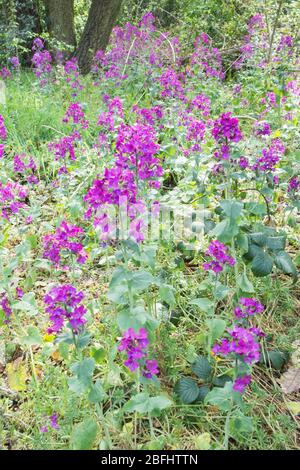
{"x": 240, "y": 424}
{"x": 244, "y": 284}
{"x": 276, "y": 243}
{"x": 84, "y": 434}
{"x": 221, "y": 397}
{"x": 166, "y": 293}
{"x": 284, "y": 262}
{"x": 204, "y": 304}
{"x": 33, "y": 337}
{"x": 203, "y": 391}
{"x": 187, "y": 390}
{"x": 262, "y": 264}
{"x": 258, "y": 238}
{"x": 202, "y": 368}
{"x": 216, "y": 327}
{"x": 97, "y": 393}
{"x": 140, "y": 280}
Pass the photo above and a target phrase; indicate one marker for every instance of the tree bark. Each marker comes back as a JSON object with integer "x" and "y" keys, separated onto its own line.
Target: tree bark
{"x": 60, "y": 20}
{"x": 96, "y": 34}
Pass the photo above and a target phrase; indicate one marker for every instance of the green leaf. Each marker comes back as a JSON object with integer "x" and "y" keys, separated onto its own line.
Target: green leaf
{"x": 258, "y": 238}
{"x": 244, "y": 284}
{"x": 97, "y": 393}
{"x": 140, "y": 280}
{"x": 33, "y": 337}
{"x": 242, "y": 241}
{"x": 253, "y": 251}
{"x": 262, "y": 264}
{"x": 233, "y": 209}
{"x": 284, "y": 262}
{"x": 221, "y": 291}
{"x": 277, "y": 359}
{"x": 83, "y": 435}
{"x": 276, "y": 243}
{"x": 143, "y": 403}
{"x": 221, "y": 380}
{"x": 83, "y": 371}
{"x": 98, "y": 354}
{"x": 139, "y": 403}
{"x": 221, "y": 397}
{"x": 203, "y": 303}
{"x": 216, "y": 328}
{"x": 166, "y": 293}
{"x": 187, "y": 390}
{"x": 118, "y": 287}
{"x": 135, "y": 318}
{"x": 202, "y": 368}
{"x": 203, "y": 391}
{"x": 240, "y": 424}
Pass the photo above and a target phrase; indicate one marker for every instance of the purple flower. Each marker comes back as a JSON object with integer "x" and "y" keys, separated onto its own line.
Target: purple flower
{"x": 208, "y": 58}
{"x": 3, "y": 132}
{"x": 64, "y": 303}
{"x": 242, "y": 343}
{"x": 294, "y": 184}
{"x": 65, "y": 241}
{"x": 15, "y": 62}
{"x": 202, "y": 103}
{"x": 135, "y": 345}
{"x": 41, "y": 61}
{"x": 5, "y": 306}
{"x": 218, "y": 252}
{"x": 75, "y": 114}
{"x": 12, "y": 197}
{"x": 262, "y": 128}
{"x": 26, "y": 166}
{"x": 171, "y": 84}
{"x": 241, "y": 383}
{"x": 248, "y": 307}
{"x": 52, "y": 420}
{"x": 270, "y": 156}
{"x": 226, "y": 128}
{"x": 5, "y": 73}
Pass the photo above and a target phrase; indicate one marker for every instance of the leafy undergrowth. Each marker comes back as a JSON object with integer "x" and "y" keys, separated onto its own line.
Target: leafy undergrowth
{"x": 181, "y": 339}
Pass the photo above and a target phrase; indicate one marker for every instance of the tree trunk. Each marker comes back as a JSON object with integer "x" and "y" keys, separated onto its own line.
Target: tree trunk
{"x": 60, "y": 20}
{"x": 100, "y": 22}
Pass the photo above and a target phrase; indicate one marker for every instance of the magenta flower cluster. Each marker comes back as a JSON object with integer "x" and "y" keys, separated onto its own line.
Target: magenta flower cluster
{"x": 241, "y": 383}
{"x": 64, "y": 149}
{"x": 270, "y": 156}
{"x": 71, "y": 72}
{"x": 248, "y": 307}
{"x": 42, "y": 61}
{"x": 3, "y": 135}
{"x": 136, "y": 148}
{"x": 226, "y": 129}
{"x": 3, "y": 132}
{"x": 64, "y": 303}
{"x": 135, "y": 345}
{"x": 26, "y": 167}
{"x": 242, "y": 342}
{"x": 218, "y": 252}
{"x": 5, "y": 306}
{"x": 12, "y": 198}
{"x": 53, "y": 423}
{"x": 171, "y": 83}
{"x": 75, "y": 115}
{"x": 208, "y": 58}
{"x": 65, "y": 242}
{"x": 294, "y": 184}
